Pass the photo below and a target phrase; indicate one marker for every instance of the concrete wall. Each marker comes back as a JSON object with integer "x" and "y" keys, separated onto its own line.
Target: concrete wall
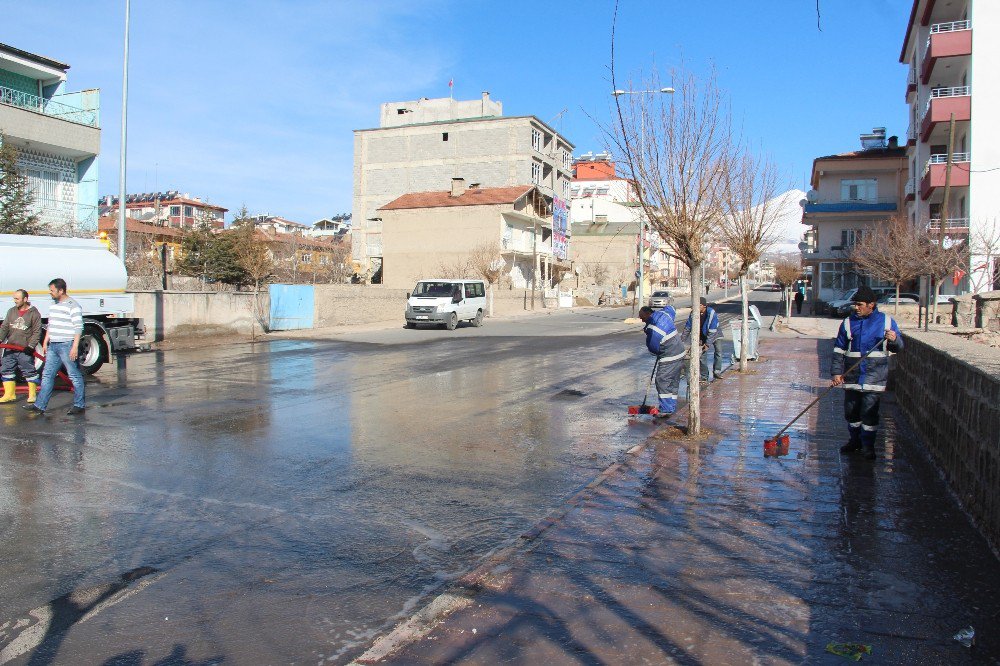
{"x": 950, "y": 390}
{"x": 352, "y": 305}
{"x": 49, "y": 134}
{"x": 192, "y": 313}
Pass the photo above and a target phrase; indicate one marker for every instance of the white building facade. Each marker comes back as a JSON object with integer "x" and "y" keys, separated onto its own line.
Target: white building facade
{"x": 951, "y": 48}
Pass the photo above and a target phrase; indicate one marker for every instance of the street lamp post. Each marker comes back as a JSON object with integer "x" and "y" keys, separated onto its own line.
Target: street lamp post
{"x": 640, "y": 296}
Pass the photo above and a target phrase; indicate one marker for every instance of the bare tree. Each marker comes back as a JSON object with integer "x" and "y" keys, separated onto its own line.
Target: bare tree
{"x": 749, "y": 225}
{"x": 940, "y": 259}
{"x": 488, "y": 262}
{"x": 984, "y": 253}
{"x": 678, "y": 152}
{"x": 254, "y": 257}
{"x": 786, "y": 273}
{"x": 891, "y": 251}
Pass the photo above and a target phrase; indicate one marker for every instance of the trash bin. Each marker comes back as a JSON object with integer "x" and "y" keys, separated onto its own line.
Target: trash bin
{"x": 753, "y": 334}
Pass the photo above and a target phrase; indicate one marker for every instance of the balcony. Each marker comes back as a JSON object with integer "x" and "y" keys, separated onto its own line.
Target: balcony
{"x": 911, "y": 136}
{"x": 954, "y": 225}
{"x": 47, "y": 107}
{"x": 946, "y": 40}
{"x": 943, "y": 103}
{"x": 874, "y": 206}
{"x": 935, "y": 173}
{"x": 911, "y": 82}
{"x": 910, "y": 190}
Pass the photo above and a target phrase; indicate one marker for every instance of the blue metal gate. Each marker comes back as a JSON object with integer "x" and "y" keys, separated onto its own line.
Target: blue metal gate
{"x": 291, "y": 306}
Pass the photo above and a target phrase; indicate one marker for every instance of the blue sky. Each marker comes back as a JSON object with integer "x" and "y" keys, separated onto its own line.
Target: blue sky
{"x": 254, "y": 102}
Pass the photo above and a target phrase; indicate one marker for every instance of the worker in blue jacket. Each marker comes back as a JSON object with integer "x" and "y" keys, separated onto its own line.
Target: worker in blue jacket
{"x": 663, "y": 341}
{"x": 711, "y": 342}
{"x": 867, "y": 329}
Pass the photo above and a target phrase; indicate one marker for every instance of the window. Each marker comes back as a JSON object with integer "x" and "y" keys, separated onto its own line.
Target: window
{"x": 859, "y": 190}
{"x": 188, "y": 211}
{"x": 850, "y": 237}
{"x": 306, "y": 258}
{"x": 475, "y": 290}
{"x": 444, "y": 136}
{"x": 565, "y": 158}
{"x": 175, "y": 211}
{"x": 400, "y": 112}
{"x": 536, "y": 139}
{"x": 565, "y": 188}
{"x": 536, "y": 173}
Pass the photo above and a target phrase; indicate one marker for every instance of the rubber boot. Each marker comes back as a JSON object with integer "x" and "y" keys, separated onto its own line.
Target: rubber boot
{"x": 9, "y": 392}
{"x": 868, "y": 443}
{"x": 854, "y": 443}
{"x": 32, "y": 392}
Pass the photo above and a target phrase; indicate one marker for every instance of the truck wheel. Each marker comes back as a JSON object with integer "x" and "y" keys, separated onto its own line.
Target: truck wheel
{"x": 91, "y": 355}
{"x": 452, "y": 322}
{"x": 478, "y": 321}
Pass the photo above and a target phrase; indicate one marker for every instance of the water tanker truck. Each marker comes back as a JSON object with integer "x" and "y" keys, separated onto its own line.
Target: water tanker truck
{"x": 95, "y": 279}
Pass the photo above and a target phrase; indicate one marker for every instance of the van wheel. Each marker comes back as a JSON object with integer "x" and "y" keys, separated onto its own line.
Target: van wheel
{"x": 410, "y": 324}
{"x": 478, "y": 321}
{"x": 452, "y": 322}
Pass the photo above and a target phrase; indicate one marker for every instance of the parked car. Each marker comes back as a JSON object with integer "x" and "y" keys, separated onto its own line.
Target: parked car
{"x": 842, "y": 306}
{"x": 443, "y": 301}
{"x": 659, "y": 299}
{"x": 768, "y": 286}
{"x": 904, "y": 299}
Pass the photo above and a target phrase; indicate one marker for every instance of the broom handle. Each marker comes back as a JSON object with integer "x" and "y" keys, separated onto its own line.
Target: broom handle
{"x": 827, "y": 390}
{"x": 645, "y": 396}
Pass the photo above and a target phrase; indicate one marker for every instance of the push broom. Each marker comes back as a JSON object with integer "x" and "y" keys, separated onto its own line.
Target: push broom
{"x": 644, "y": 408}
{"x": 778, "y": 445}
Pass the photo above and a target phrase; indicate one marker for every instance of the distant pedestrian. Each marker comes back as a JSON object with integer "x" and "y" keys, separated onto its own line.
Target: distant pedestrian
{"x": 22, "y": 326}
{"x": 61, "y": 348}
{"x": 706, "y": 289}
{"x": 799, "y": 298}
{"x": 865, "y": 330}
{"x": 663, "y": 342}
{"x": 711, "y": 343}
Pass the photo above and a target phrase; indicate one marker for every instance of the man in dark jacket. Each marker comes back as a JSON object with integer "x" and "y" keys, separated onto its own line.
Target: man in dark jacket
{"x": 22, "y": 326}
{"x": 867, "y": 329}
{"x": 663, "y": 342}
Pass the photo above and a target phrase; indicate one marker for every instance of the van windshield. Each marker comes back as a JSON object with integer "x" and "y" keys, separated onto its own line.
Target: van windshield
{"x": 434, "y": 289}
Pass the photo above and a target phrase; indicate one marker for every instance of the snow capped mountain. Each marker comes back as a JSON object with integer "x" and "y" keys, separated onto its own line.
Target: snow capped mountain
{"x": 788, "y": 229}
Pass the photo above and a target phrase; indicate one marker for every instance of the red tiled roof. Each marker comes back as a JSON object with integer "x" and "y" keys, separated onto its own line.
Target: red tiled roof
{"x": 111, "y": 224}
{"x": 867, "y": 154}
{"x": 296, "y": 239}
{"x": 476, "y": 196}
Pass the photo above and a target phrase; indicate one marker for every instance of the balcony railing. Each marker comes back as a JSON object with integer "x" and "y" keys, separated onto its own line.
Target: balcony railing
{"x": 955, "y": 91}
{"x": 942, "y": 158}
{"x": 47, "y": 107}
{"x": 848, "y": 205}
{"x": 952, "y": 223}
{"x": 951, "y": 26}
{"x": 911, "y": 188}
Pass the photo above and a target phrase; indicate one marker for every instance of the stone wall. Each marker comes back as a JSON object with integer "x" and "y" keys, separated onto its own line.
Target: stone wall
{"x": 950, "y": 390}
{"x": 988, "y": 310}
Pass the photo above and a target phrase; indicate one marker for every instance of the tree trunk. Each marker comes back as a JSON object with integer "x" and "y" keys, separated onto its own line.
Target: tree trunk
{"x": 744, "y": 323}
{"x": 895, "y": 309}
{"x": 491, "y": 298}
{"x": 694, "y": 368}
{"x": 937, "y": 292}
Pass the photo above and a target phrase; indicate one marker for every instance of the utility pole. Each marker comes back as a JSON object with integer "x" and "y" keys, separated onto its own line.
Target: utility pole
{"x": 534, "y": 262}
{"x": 121, "y": 163}
{"x": 935, "y": 284}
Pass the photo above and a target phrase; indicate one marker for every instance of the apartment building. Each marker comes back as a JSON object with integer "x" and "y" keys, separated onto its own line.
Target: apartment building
{"x": 334, "y": 227}
{"x": 950, "y": 47}
{"x": 422, "y": 144}
{"x": 425, "y": 234}
{"x": 167, "y": 209}
{"x": 605, "y": 216}
{"x": 58, "y": 137}
{"x": 851, "y": 193}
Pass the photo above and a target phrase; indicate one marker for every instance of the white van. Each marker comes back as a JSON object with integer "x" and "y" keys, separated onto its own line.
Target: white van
{"x": 444, "y": 301}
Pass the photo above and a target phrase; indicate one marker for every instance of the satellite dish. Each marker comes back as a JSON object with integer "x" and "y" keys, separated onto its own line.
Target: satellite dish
{"x": 803, "y": 246}
{"x": 812, "y": 196}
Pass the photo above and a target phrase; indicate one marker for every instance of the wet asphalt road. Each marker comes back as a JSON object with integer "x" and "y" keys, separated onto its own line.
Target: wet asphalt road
{"x": 287, "y": 501}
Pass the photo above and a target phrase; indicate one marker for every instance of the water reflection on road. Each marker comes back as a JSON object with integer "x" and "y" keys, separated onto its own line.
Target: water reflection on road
{"x": 297, "y": 497}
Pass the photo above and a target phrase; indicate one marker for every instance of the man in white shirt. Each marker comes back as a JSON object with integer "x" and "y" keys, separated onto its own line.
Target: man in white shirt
{"x": 60, "y": 348}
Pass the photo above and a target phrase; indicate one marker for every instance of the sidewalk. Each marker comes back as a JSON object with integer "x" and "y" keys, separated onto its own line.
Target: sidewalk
{"x": 710, "y": 553}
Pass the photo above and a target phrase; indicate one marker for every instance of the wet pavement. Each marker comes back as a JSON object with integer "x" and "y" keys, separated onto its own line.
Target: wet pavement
{"x": 709, "y": 553}
{"x": 286, "y": 502}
